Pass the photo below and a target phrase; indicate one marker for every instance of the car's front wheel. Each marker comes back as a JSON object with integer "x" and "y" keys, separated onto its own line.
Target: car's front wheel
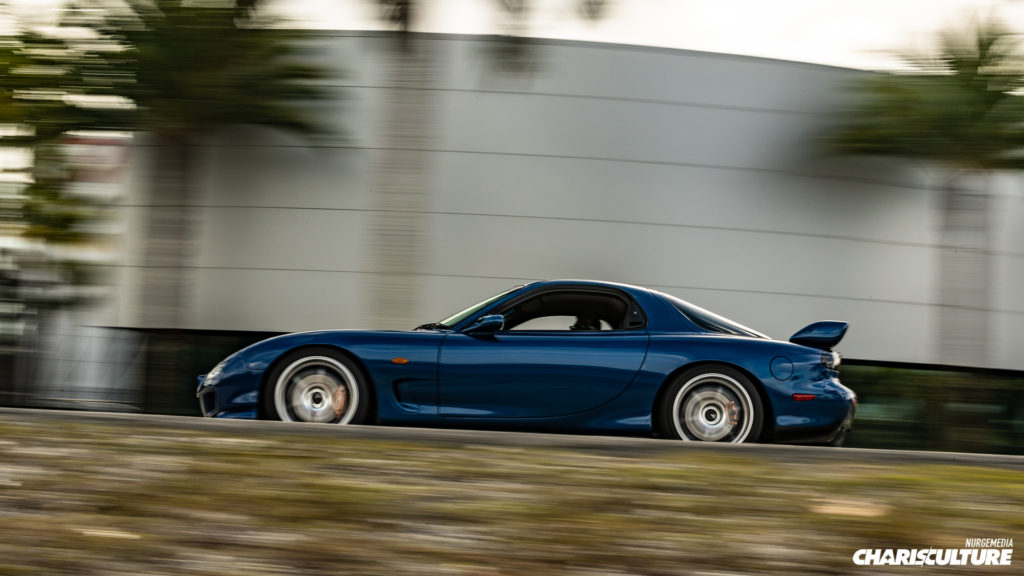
{"x": 711, "y": 404}
{"x": 317, "y": 385}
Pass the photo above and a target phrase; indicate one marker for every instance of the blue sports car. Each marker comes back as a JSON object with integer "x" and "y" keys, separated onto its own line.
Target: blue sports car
{"x": 571, "y": 356}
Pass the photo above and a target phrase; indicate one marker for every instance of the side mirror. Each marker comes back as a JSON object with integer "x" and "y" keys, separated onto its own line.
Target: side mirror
{"x": 487, "y": 325}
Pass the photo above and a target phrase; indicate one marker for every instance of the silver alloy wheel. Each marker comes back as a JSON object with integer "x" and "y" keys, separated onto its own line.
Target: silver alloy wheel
{"x": 316, "y": 389}
{"x": 712, "y": 407}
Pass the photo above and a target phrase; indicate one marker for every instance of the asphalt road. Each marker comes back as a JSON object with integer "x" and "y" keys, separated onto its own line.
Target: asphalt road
{"x": 621, "y": 446}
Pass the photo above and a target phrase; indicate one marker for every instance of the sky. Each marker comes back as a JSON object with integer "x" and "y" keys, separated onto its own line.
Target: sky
{"x": 848, "y": 33}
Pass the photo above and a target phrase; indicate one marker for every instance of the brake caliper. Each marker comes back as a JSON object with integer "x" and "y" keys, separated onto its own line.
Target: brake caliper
{"x": 339, "y": 400}
{"x": 733, "y": 413}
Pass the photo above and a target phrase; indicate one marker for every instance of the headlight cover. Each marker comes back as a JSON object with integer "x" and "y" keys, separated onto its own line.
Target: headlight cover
{"x": 214, "y": 375}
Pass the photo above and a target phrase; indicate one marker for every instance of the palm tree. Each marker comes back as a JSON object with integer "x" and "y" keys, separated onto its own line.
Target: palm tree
{"x": 961, "y": 111}
{"x": 174, "y": 72}
{"x": 188, "y": 70}
{"x": 397, "y": 228}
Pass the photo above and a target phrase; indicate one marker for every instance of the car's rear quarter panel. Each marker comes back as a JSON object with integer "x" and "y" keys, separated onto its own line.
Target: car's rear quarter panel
{"x": 671, "y": 354}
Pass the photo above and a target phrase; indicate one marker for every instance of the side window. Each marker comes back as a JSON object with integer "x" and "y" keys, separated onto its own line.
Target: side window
{"x": 561, "y": 323}
{"x": 576, "y": 311}
{"x": 546, "y": 323}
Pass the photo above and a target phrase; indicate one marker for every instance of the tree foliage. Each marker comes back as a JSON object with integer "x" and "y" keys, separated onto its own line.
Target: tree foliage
{"x": 34, "y": 73}
{"x": 169, "y": 67}
{"x": 188, "y": 69}
{"x": 961, "y": 107}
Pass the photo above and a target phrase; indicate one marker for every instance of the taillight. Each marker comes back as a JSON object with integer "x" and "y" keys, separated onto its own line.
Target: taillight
{"x": 831, "y": 359}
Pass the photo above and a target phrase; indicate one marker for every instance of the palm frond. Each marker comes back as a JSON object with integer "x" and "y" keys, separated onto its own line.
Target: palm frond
{"x": 959, "y": 106}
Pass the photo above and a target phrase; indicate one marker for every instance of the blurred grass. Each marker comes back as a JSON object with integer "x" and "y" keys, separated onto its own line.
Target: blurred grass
{"x": 82, "y": 497}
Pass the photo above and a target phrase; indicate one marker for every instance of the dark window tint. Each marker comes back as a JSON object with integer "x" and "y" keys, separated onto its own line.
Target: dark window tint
{"x": 709, "y": 320}
{"x": 569, "y": 310}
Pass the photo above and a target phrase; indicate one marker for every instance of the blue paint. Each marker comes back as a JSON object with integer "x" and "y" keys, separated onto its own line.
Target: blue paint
{"x": 823, "y": 335}
{"x": 604, "y": 381}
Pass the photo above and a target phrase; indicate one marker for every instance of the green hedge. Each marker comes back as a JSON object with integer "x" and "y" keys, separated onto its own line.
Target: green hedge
{"x": 934, "y": 409}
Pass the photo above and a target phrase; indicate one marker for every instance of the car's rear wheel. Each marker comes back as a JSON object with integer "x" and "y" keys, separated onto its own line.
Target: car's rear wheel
{"x": 317, "y": 385}
{"x": 711, "y": 404}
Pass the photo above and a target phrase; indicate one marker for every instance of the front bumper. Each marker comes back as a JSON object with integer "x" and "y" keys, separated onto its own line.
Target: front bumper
{"x": 232, "y": 396}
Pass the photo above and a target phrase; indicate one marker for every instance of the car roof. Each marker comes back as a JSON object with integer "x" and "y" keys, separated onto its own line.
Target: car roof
{"x": 583, "y": 282}
{"x": 668, "y": 318}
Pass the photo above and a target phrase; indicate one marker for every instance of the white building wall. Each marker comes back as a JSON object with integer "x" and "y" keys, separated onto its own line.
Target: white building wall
{"x": 1008, "y": 270}
{"x": 697, "y": 174}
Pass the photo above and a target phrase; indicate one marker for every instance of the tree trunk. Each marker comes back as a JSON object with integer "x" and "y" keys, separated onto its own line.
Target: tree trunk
{"x": 168, "y": 245}
{"x": 964, "y": 275}
{"x": 401, "y": 184}
{"x": 165, "y": 279}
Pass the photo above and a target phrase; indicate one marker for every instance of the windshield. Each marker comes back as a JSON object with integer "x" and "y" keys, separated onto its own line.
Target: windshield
{"x": 456, "y": 318}
{"x": 709, "y": 320}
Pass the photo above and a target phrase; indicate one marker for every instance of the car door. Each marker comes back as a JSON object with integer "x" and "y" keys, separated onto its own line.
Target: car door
{"x": 538, "y": 367}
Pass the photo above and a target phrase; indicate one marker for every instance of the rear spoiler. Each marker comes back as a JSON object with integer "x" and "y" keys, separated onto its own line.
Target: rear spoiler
{"x": 821, "y": 335}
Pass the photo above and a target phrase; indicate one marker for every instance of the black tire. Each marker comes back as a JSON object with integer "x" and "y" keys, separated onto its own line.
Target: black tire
{"x": 839, "y": 440}
{"x": 711, "y": 404}
{"x": 317, "y": 385}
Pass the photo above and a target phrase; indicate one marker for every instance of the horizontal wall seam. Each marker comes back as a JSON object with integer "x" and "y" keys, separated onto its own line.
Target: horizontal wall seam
{"x": 637, "y": 100}
{"x": 603, "y": 159}
{"x": 838, "y": 237}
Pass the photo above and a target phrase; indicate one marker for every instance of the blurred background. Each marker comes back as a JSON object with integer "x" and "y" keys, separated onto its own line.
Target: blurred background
{"x": 180, "y": 179}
